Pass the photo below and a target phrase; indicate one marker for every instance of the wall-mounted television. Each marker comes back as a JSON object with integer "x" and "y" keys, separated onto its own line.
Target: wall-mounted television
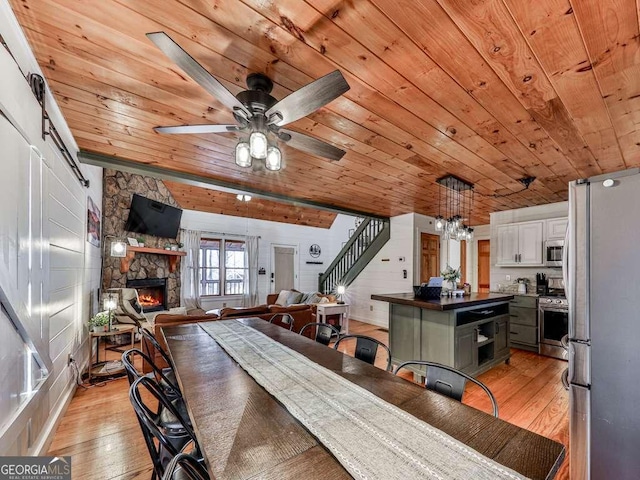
{"x": 153, "y": 218}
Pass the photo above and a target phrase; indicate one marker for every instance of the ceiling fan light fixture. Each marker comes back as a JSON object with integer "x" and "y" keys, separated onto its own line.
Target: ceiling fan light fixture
{"x": 273, "y": 161}
{"x": 258, "y": 145}
{"x": 243, "y": 155}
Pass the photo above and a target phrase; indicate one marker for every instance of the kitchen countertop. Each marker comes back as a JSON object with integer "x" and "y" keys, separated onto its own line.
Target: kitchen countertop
{"x": 443, "y": 303}
{"x": 516, "y": 294}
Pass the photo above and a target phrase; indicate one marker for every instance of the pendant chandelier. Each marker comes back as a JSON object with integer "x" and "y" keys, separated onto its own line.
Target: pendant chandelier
{"x": 455, "y": 199}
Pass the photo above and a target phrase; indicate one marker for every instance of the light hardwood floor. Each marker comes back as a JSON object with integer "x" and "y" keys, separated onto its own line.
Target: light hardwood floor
{"x": 100, "y": 431}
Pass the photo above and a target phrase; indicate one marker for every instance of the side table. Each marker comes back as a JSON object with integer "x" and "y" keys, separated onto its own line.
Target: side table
{"x": 99, "y": 368}
{"x": 342, "y": 309}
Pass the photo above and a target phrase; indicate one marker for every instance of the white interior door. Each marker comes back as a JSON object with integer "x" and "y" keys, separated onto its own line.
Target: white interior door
{"x": 284, "y": 267}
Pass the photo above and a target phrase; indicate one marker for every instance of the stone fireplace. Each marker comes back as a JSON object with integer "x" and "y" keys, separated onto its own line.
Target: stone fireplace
{"x": 118, "y": 189}
{"x": 152, "y": 293}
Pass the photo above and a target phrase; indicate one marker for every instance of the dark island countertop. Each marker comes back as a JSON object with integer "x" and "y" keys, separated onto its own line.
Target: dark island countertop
{"x": 442, "y": 303}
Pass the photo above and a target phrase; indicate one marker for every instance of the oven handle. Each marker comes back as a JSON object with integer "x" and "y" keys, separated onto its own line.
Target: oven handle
{"x": 559, "y": 310}
{"x": 565, "y": 342}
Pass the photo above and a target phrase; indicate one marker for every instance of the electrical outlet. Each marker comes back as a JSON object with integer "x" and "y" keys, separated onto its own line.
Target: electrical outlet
{"x": 70, "y": 359}
{"x": 224, "y": 305}
{"x": 371, "y": 308}
{"x": 507, "y": 277}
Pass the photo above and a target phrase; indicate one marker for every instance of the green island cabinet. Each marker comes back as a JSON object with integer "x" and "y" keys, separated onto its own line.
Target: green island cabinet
{"x": 471, "y": 334}
{"x": 523, "y": 314}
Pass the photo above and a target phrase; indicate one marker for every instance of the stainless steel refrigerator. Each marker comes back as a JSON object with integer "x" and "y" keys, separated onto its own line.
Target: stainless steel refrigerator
{"x": 602, "y": 270}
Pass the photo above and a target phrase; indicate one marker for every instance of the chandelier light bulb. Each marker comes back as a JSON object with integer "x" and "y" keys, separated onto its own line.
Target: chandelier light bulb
{"x": 439, "y": 223}
{"x": 243, "y": 155}
{"x": 258, "y": 145}
{"x": 273, "y": 161}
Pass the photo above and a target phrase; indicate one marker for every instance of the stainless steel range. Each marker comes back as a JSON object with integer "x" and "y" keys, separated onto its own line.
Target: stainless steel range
{"x": 553, "y": 318}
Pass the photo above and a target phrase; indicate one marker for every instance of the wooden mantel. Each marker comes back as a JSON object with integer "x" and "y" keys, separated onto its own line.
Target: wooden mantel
{"x": 131, "y": 253}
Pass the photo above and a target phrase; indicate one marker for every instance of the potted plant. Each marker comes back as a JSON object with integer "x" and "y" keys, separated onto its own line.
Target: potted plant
{"x": 100, "y": 322}
{"x": 451, "y": 275}
{"x": 167, "y": 246}
{"x": 140, "y": 241}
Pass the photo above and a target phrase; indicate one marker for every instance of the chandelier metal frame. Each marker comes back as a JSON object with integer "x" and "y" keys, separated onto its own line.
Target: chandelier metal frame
{"x": 457, "y": 196}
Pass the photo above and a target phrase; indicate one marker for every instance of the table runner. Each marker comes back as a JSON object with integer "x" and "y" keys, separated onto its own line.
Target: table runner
{"x": 370, "y": 437}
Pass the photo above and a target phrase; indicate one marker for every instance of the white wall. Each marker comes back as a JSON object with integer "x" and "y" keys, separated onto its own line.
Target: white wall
{"x": 384, "y": 274}
{"x": 541, "y": 212}
{"x": 301, "y": 237}
{"x": 51, "y": 291}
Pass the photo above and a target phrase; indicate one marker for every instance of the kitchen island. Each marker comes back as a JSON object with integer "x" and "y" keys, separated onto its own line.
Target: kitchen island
{"x": 469, "y": 333}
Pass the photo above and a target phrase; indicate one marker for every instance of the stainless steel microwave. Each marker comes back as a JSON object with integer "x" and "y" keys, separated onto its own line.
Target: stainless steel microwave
{"x": 553, "y": 253}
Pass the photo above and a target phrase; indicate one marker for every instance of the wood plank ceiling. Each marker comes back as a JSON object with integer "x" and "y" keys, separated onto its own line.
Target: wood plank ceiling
{"x": 488, "y": 90}
{"x": 224, "y": 203}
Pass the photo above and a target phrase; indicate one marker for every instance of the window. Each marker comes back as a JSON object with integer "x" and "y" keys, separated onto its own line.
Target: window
{"x": 231, "y": 268}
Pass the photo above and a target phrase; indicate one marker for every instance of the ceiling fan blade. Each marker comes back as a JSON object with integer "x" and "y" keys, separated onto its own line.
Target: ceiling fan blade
{"x": 198, "y": 129}
{"x": 196, "y": 71}
{"x": 307, "y": 99}
{"x": 310, "y": 145}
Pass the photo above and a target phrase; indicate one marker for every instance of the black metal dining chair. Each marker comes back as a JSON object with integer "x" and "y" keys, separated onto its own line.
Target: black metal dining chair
{"x": 151, "y": 338}
{"x": 323, "y": 332}
{"x": 448, "y": 381}
{"x": 283, "y": 320}
{"x": 366, "y": 348}
{"x": 185, "y": 467}
{"x": 166, "y": 431}
{"x": 165, "y": 377}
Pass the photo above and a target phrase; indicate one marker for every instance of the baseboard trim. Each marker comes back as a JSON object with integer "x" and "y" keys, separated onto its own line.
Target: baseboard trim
{"x": 41, "y": 447}
{"x": 380, "y": 323}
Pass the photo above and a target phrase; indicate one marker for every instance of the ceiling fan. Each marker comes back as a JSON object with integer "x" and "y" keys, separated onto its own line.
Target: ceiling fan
{"x": 256, "y": 111}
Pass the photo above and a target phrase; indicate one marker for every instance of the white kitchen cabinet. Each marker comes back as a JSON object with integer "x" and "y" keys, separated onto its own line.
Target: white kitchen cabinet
{"x": 556, "y": 228}
{"x": 507, "y": 244}
{"x": 520, "y": 244}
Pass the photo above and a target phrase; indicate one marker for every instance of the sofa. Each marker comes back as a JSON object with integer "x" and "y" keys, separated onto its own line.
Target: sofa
{"x": 300, "y": 305}
{"x": 301, "y": 314}
{"x": 312, "y": 299}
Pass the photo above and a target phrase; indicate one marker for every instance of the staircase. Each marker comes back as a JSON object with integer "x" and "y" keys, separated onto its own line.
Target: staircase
{"x": 363, "y": 245}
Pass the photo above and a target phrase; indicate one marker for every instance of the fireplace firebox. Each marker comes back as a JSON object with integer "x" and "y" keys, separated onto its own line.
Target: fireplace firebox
{"x": 152, "y": 293}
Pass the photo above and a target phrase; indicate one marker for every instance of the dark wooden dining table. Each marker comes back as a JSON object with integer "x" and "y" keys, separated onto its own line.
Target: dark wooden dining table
{"x": 245, "y": 433}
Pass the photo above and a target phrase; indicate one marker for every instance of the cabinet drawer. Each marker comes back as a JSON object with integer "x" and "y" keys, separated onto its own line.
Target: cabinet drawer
{"x": 523, "y": 301}
{"x": 523, "y": 316}
{"x": 524, "y": 334}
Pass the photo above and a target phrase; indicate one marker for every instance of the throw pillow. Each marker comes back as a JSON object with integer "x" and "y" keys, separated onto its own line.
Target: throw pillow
{"x": 313, "y": 298}
{"x": 282, "y": 297}
{"x": 324, "y": 300}
{"x": 305, "y": 297}
{"x": 293, "y": 298}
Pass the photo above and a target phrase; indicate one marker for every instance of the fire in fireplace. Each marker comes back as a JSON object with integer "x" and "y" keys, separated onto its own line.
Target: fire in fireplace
{"x": 152, "y": 293}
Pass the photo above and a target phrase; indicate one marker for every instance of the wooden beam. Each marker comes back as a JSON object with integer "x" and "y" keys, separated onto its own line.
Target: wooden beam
{"x": 107, "y": 161}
